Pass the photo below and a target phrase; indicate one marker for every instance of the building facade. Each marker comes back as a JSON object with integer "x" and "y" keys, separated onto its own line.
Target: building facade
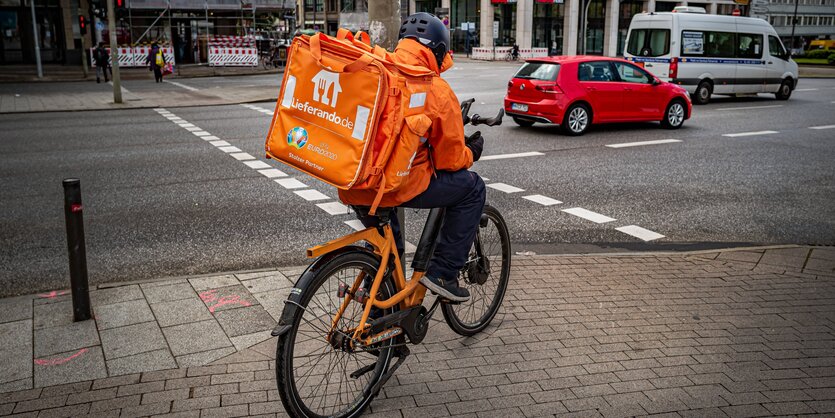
{"x": 815, "y": 20}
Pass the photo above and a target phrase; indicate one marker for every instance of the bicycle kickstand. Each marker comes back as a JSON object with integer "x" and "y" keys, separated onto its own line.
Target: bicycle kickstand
{"x": 401, "y": 352}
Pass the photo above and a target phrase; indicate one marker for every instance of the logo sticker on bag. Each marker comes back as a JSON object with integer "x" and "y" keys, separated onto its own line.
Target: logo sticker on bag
{"x": 323, "y": 81}
{"x": 297, "y": 137}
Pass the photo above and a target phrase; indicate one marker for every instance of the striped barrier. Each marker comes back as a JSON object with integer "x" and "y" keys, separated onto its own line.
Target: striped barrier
{"x": 135, "y": 56}
{"x": 502, "y": 51}
{"x": 220, "y": 56}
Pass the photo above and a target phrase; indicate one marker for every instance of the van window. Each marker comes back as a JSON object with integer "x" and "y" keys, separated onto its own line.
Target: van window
{"x": 749, "y": 45}
{"x": 538, "y": 71}
{"x": 595, "y": 71}
{"x": 775, "y": 47}
{"x": 708, "y": 44}
{"x": 649, "y": 42}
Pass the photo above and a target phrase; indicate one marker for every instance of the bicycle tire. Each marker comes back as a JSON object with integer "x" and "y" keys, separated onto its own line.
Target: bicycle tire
{"x": 286, "y": 367}
{"x": 453, "y": 313}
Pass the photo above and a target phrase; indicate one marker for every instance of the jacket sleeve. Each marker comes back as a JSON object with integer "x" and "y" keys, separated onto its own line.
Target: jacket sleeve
{"x": 446, "y": 136}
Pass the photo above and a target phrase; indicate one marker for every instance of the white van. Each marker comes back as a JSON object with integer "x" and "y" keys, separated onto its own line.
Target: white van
{"x": 709, "y": 54}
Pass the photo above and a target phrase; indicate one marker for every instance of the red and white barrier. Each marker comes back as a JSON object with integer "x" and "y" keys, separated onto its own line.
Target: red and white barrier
{"x": 233, "y": 56}
{"x": 502, "y": 51}
{"x": 135, "y": 56}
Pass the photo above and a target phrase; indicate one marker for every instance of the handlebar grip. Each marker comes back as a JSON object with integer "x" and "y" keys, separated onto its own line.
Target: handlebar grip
{"x": 494, "y": 121}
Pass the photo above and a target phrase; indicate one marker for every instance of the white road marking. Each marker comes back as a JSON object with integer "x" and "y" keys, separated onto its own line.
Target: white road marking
{"x": 505, "y": 156}
{"x": 822, "y": 127}
{"x": 410, "y": 248}
{"x": 640, "y": 233}
{"x": 257, "y": 165}
{"x": 588, "y": 215}
{"x": 641, "y": 143}
{"x": 749, "y": 107}
{"x": 750, "y": 134}
{"x": 181, "y": 85}
{"x": 211, "y": 138}
{"x": 355, "y": 224}
{"x": 806, "y": 90}
{"x": 485, "y": 179}
{"x": 272, "y": 173}
{"x": 201, "y": 133}
{"x": 334, "y": 208}
{"x": 505, "y": 188}
{"x": 291, "y": 183}
{"x": 219, "y": 143}
{"x": 542, "y": 200}
{"x": 311, "y": 195}
{"x": 193, "y": 128}
{"x": 229, "y": 149}
{"x": 242, "y": 156}
{"x": 185, "y": 124}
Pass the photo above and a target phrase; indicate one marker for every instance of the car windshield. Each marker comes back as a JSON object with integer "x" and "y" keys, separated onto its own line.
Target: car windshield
{"x": 538, "y": 71}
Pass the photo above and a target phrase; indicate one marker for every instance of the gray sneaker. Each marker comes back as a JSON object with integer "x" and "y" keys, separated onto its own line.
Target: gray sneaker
{"x": 447, "y": 289}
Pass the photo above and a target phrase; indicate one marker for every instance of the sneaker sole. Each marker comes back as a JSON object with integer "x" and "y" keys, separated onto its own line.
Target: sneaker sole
{"x": 440, "y": 291}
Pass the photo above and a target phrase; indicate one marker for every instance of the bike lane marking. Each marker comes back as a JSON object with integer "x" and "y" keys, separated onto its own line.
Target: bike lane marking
{"x": 512, "y": 155}
{"x": 642, "y": 143}
{"x": 589, "y": 215}
{"x": 542, "y": 200}
{"x": 740, "y": 134}
{"x": 823, "y": 127}
{"x": 502, "y": 187}
{"x": 641, "y": 233}
{"x": 181, "y": 85}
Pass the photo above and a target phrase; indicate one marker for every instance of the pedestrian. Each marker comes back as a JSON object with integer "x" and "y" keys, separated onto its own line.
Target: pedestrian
{"x": 156, "y": 60}
{"x": 102, "y": 60}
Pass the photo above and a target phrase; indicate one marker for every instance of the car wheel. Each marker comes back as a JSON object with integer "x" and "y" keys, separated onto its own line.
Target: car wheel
{"x": 674, "y": 115}
{"x": 577, "y": 120}
{"x": 785, "y": 90}
{"x": 523, "y": 122}
{"x": 703, "y": 92}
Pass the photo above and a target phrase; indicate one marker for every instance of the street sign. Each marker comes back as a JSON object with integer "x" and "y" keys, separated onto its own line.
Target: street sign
{"x": 735, "y": 12}
{"x": 495, "y": 29}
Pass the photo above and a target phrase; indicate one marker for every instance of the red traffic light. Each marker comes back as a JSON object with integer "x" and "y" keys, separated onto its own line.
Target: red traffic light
{"x": 82, "y": 24}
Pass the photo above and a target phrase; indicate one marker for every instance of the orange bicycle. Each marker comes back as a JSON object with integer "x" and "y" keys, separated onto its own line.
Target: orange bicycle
{"x": 352, "y": 311}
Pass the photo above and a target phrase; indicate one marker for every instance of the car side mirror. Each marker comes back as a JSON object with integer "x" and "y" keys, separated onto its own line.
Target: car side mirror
{"x": 655, "y": 81}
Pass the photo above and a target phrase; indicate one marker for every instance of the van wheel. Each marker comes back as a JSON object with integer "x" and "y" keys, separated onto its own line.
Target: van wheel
{"x": 674, "y": 115}
{"x": 577, "y": 120}
{"x": 523, "y": 122}
{"x": 703, "y": 92}
{"x": 785, "y": 90}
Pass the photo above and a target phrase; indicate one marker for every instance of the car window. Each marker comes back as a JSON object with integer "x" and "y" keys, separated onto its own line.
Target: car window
{"x": 775, "y": 47}
{"x": 649, "y": 42}
{"x": 538, "y": 71}
{"x": 749, "y": 45}
{"x": 629, "y": 73}
{"x": 595, "y": 71}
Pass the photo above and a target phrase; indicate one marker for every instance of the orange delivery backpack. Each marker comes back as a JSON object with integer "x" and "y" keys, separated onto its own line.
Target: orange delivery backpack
{"x": 348, "y": 115}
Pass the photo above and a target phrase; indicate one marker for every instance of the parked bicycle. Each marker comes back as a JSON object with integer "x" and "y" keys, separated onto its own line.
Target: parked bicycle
{"x": 353, "y": 311}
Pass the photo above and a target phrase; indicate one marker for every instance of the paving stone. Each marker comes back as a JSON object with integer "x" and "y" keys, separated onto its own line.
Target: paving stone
{"x": 52, "y": 314}
{"x": 204, "y": 358}
{"x": 181, "y": 311}
{"x": 65, "y": 338}
{"x": 123, "y": 313}
{"x": 225, "y": 298}
{"x": 16, "y": 352}
{"x": 92, "y": 396}
{"x": 171, "y": 373}
{"x": 132, "y": 339}
{"x": 65, "y": 389}
{"x": 16, "y": 309}
{"x": 19, "y": 396}
{"x": 142, "y": 362}
{"x": 196, "y": 403}
{"x": 16, "y": 385}
{"x": 244, "y": 321}
{"x": 65, "y": 412}
{"x": 115, "y": 381}
{"x": 225, "y": 411}
{"x": 140, "y": 388}
{"x": 213, "y": 282}
{"x": 195, "y": 338}
{"x": 165, "y": 396}
{"x": 74, "y": 366}
{"x": 171, "y": 292}
{"x": 243, "y": 398}
{"x": 266, "y": 408}
{"x": 269, "y": 283}
{"x": 109, "y": 296}
{"x": 116, "y": 403}
{"x": 41, "y": 403}
{"x": 145, "y": 410}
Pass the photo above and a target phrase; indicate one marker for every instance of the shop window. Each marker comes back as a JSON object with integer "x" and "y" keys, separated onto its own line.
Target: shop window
{"x": 548, "y": 27}
{"x": 505, "y": 14}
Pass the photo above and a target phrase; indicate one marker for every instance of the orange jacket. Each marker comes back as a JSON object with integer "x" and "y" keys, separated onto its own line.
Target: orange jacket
{"x": 447, "y": 150}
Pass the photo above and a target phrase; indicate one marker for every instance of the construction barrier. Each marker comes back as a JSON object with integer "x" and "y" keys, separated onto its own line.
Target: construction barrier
{"x": 135, "y": 56}
{"x": 502, "y": 51}
{"x": 233, "y": 51}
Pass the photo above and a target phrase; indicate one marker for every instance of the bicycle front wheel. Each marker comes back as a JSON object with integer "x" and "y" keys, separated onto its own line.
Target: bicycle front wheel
{"x": 317, "y": 374}
{"x": 485, "y": 276}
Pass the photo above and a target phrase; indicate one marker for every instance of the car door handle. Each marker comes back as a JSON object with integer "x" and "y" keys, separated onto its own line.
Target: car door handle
{"x": 770, "y": 62}
{"x": 627, "y": 88}
{"x": 591, "y": 89}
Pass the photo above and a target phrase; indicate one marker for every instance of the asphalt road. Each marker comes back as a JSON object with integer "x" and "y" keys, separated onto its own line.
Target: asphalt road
{"x": 160, "y": 201}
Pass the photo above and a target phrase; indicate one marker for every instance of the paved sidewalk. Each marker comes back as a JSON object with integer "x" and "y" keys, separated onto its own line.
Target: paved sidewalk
{"x": 737, "y": 333}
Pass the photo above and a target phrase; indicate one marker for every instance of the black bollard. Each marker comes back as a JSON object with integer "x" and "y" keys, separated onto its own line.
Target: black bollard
{"x": 73, "y": 214}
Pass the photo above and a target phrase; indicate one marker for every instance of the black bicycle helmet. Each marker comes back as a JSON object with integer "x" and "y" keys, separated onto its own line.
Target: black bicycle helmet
{"x": 429, "y": 31}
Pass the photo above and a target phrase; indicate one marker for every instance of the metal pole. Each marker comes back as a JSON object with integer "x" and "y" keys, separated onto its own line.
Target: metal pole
{"x": 74, "y": 217}
{"x": 114, "y": 52}
{"x": 38, "y": 42}
{"x": 794, "y": 22}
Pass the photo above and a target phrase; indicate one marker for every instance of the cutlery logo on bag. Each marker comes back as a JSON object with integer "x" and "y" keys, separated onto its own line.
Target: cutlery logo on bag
{"x": 323, "y": 82}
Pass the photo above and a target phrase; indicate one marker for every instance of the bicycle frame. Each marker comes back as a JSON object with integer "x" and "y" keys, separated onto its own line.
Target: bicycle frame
{"x": 409, "y": 293}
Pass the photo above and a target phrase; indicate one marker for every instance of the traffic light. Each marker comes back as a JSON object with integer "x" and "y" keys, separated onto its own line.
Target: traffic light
{"x": 82, "y": 24}
{"x": 119, "y": 4}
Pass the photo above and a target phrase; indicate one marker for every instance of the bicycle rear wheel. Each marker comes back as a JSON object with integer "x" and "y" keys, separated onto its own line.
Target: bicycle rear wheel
{"x": 314, "y": 371}
{"x": 487, "y": 286}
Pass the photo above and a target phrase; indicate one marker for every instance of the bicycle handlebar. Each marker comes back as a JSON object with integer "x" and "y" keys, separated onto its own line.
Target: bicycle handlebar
{"x": 476, "y": 119}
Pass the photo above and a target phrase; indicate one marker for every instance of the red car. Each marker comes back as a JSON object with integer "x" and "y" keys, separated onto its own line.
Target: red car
{"x": 576, "y": 91}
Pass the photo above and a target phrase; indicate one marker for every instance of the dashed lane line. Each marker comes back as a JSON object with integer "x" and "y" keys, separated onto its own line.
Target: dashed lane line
{"x": 740, "y": 134}
{"x": 502, "y": 187}
{"x": 355, "y": 224}
{"x": 291, "y": 183}
{"x": 312, "y": 195}
{"x": 181, "y": 85}
{"x": 749, "y": 107}
{"x": 642, "y": 143}
{"x": 640, "y": 233}
{"x": 257, "y": 164}
{"x": 220, "y": 143}
{"x": 506, "y": 156}
{"x": 334, "y": 208}
{"x": 230, "y": 148}
{"x": 258, "y": 109}
{"x": 806, "y": 90}
{"x": 542, "y": 200}
{"x": 272, "y": 173}
{"x": 588, "y": 215}
{"x": 823, "y": 127}
{"x": 242, "y": 156}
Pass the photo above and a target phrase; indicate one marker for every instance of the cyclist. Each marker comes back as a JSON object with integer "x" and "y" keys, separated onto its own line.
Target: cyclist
{"x": 514, "y": 52}
{"x": 439, "y": 175}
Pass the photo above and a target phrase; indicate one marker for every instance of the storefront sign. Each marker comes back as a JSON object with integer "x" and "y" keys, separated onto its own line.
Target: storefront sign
{"x": 495, "y": 29}
{"x": 502, "y": 1}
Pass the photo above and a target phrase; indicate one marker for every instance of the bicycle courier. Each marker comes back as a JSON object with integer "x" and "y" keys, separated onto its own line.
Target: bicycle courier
{"x": 348, "y": 114}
